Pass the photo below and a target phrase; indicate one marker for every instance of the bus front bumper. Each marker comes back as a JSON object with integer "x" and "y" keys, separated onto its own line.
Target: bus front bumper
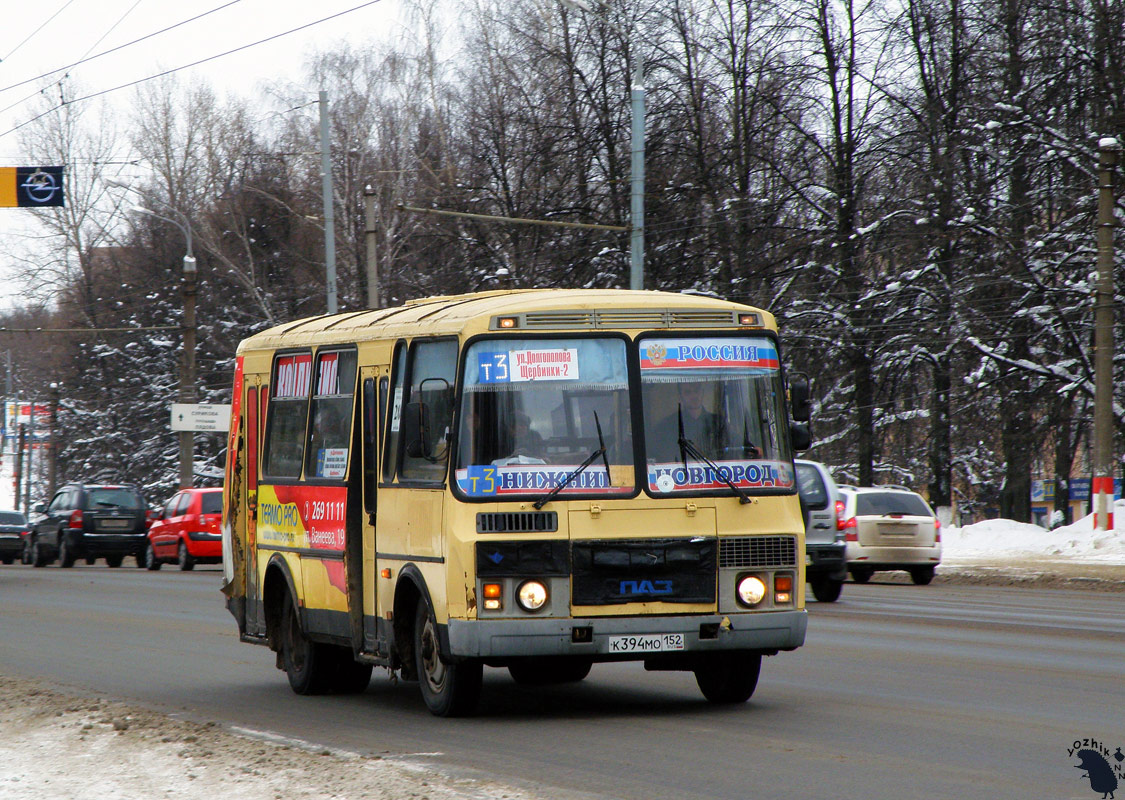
{"x": 597, "y": 637}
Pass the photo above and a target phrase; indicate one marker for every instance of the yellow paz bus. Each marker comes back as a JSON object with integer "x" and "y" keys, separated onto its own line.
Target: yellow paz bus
{"x": 539, "y": 480}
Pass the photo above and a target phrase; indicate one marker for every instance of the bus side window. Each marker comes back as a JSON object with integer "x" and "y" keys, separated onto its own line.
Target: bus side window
{"x": 287, "y": 412}
{"x": 330, "y": 432}
{"x": 370, "y": 444}
{"x": 433, "y": 370}
{"x": 394, "y": 414}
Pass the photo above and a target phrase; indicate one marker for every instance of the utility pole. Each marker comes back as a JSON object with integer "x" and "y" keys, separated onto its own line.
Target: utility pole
{"x": 187, "y": 373}
{"x": 373, "y": 296}
{"x": 9, "y": 434}
{"x": 53, "y": 442}
{"x": 17, "y": 481}
{"x": 30, "y": 457}
{"x": 1102, "y": 484}
{"x": 329, "y": 215}
{"x": 637, "y": 180}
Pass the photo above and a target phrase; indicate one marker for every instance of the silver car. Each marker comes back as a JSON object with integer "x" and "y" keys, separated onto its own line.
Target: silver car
{"x": 825, "y": 555}
{"x": 890, "y": 528}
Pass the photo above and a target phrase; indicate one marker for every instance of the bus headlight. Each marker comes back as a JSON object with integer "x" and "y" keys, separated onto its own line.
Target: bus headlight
{"x": 751, "y": 590}
{"x": 532, "y": 595}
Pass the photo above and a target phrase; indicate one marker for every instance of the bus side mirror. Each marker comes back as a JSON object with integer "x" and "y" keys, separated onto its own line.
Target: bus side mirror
{"x": 800, "y": 407}
{"x": 800, "y": 436}
{"x": 416, "y": 429}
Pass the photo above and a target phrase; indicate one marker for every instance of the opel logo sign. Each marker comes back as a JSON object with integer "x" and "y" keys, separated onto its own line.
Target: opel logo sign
{"x": 40, "y": 187}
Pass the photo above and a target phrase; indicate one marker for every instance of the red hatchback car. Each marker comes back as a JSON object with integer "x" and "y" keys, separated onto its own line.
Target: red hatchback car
{"x": 186, "y": 530}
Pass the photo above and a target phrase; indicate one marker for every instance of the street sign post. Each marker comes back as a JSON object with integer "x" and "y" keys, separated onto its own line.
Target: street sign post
{"x": 200, "y": 417}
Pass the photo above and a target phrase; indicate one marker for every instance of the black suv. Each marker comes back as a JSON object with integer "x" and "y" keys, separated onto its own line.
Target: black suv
{"x": 90, "y": 522}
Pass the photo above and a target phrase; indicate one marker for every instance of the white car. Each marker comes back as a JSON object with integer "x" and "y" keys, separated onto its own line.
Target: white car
{"x": 890, "y": 528}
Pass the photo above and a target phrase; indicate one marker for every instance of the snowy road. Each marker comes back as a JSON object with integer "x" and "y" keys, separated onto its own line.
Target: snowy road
{"x": 901, "y": 692}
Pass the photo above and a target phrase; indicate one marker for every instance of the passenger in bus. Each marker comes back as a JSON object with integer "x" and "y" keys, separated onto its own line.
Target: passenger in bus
{"x": 526, "y": 439}
{"x": 704, "y": 429}
{"x": 331, "y": 429}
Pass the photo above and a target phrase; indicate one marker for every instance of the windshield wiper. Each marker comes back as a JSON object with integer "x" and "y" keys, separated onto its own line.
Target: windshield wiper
{"x": 689, "y": 448}
{"x": 542, "y": 501}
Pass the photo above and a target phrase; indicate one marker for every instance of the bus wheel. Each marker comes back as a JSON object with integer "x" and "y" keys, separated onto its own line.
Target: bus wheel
{"x": 309, "y": 665}
{"x": 729, "y": 677}
{"x": 450, "y": 690}
{"x": 542, "y": 671}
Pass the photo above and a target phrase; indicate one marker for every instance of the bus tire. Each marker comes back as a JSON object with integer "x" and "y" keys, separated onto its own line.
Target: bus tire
{"x": 547, "y": 670}
{"x": 308, "y": 665}
{"x": 729, "y": 677}
{"x": 449, "y": 689}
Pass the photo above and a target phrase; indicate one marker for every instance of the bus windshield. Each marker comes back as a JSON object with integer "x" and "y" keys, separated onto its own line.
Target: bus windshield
{"x": 713, "y": 411}
{"x": 534, "y": 410}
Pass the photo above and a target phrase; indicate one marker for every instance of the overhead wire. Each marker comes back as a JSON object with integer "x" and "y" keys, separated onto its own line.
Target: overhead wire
{"x": 196, "y": 63}
{"x": 86, "y": 58}
{"x": 31, "y": 35}
{"x": 111, "y": 29}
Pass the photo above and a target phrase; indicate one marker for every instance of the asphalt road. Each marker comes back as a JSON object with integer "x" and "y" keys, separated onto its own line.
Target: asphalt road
{"x": 901, "y": 692}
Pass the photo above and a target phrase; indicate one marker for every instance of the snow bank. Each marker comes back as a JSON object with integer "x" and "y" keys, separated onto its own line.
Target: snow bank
{"x": 1078, "y": 542}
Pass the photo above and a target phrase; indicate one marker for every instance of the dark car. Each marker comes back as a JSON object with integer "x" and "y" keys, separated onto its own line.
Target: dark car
{"x": 186, "y": 531}
{"x": 13, "y": 529}
{"x": 91, "y": 522}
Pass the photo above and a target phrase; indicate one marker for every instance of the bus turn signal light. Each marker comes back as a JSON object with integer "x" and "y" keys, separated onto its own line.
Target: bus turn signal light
{"x": 782, "y": 589}
{"x": 492, "y": 596}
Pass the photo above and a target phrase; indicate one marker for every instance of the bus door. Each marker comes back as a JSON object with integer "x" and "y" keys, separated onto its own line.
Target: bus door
{"x": 255, "y": 407}
{"x": 363, "y": 535}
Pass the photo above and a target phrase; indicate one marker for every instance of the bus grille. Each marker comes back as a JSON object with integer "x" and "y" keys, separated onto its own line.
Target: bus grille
{"x": 631, "y": 318}
{"x": 518, "y": 522}
{"x": 758, "y": 551}
{"x": 617, "y": 571}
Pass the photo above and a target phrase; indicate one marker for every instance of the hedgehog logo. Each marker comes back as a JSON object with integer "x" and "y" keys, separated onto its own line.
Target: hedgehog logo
{"x": 1100, "y": 774}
